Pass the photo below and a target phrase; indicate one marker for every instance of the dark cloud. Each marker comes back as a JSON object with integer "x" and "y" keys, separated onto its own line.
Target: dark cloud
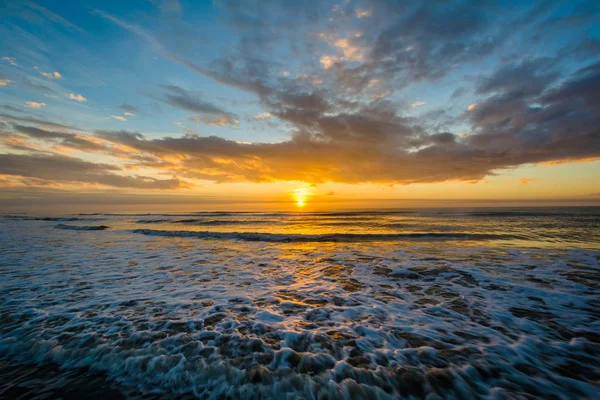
{"x": 206, "y": 112}
{"x": 63, "y": 138}
{"x": 12, "y": 108}
{"x": 128, "y": 108}
{"x": 59, "y": 168}
{"x": 458, "y": 92}
{"x": 563, "y": 122}
{"x": 39, "y": 87}
{"x": 40, "y": 122}
{"x": 527, "y": 78}
{"x": 513, "y": 126}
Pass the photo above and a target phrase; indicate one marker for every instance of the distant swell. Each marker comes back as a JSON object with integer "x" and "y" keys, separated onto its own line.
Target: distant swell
{"x": 53, "y": 219}
{"x": 334, "y": 237}
{"x": 81, "y": 228}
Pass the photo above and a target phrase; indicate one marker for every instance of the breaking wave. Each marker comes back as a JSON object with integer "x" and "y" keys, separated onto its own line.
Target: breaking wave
{"x": 334, "y": 237}
{"x": 81, "y": 228}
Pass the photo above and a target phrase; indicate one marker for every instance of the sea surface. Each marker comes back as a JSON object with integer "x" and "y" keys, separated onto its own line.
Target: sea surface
{"x": 424, "y": 303}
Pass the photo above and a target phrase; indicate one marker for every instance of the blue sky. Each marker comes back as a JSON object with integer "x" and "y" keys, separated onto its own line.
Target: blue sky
{"x": 390, "y": 93}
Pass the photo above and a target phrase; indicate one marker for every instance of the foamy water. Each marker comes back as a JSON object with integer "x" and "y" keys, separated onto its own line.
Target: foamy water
{"x": 454, "y": 304}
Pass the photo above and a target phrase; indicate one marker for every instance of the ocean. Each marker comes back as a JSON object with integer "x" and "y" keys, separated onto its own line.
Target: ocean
{"x": 477, "y": 303}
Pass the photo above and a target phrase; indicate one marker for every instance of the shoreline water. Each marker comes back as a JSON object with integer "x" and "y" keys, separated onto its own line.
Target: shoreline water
{"x": 215, "y": 317}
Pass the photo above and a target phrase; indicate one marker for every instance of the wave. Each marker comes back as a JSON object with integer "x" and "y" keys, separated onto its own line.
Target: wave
{"x": 333, "y": 237}
{"x": 53, "y": 219}
{"x": 81, "y": 228}
{"x": 210, "y": 222}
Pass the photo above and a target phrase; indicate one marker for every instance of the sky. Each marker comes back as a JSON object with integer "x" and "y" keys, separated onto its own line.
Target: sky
{"x": 310, "y": 104}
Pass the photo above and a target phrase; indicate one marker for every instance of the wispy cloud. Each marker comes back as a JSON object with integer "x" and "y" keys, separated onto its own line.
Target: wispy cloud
{"x": 362, "y": 13}
{"x": 128, "y": 108}
{"x": 69, "y": 169}
{"x": 221, "y": 120}
{"x": 207, "y": 113}
{"x": 119, "y": 118}
{"x": 4, "y": 80}
{"x": 527, "y": 181}
{"x": 12, "y": 61}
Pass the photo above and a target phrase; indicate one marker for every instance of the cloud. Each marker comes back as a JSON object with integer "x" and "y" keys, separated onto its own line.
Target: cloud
{"x": 39, "y": 122}
{"x": 372, "y": 143}
{"x": 353, "y": 126}
{"x": 34, "y": 104}
{"x": 417, "y": 104}
{"x": 65, "y": 139}
{"x": 35, "y": 13}
{"x": 51, "y": 75}
{"x": 11, "y": 108}
{"x": 129, "y": 114}
{"x": 76, "y": 97}
{"x": 68, "y": 169}
{"x": 263, "y": 116}
{"x": 12, "y": 61}
{"x": 222, "y": 120}
{"x": 119, "y": 118}
{"x": 527, "y": 78}
{"x": 527, "y": 181}
{"x": 129, "y": 108}
{"x": 207, "y": 112}
{"x": 39, "y": 87}
{"x": 3, "y": 80}
{"x": 328, "y": 61}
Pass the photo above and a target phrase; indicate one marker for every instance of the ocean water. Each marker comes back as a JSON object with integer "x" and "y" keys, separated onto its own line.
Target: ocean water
{"x": 439, "y": 303}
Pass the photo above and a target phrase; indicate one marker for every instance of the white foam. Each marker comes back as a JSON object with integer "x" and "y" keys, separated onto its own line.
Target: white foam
{"x": 315, "y": 320}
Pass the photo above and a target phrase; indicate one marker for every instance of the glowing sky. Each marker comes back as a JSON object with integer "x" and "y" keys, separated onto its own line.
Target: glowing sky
{"x": 298, "y": 102}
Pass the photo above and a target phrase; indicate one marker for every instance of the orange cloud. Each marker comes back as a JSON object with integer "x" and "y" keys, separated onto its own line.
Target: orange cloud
{"x": 35, "y": 104}
{"x": 328, "y": 61}
{"x": 526, "y": 181}
{"x": 76, "y": 97}
{"x": 51, "y": 75}
{"x": 262, "y": 116}
{"x": 569, "y": 161}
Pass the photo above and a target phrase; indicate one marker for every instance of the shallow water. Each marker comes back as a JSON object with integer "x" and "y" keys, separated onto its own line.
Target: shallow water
{"x": 486, "y": 304}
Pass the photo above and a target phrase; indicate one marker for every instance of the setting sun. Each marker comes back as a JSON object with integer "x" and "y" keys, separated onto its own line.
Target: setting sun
{"x": 300, "y": 196}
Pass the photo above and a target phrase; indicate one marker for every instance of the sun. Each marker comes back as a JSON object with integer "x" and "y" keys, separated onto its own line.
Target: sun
{"x": 300, "y": 196}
